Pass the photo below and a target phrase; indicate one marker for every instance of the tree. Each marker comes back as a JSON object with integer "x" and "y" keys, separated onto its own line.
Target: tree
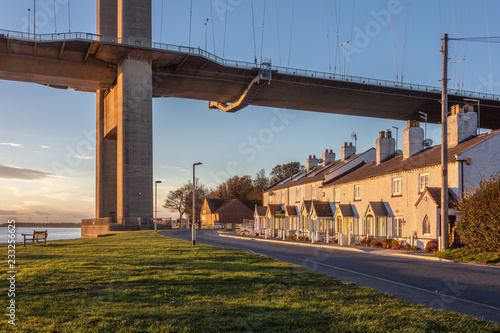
{"x": 234, "y": 188}
{"x": 260, "y": 183}
{"x": 283, "y": 170}
{"x": 176, "y": 201}
{"x": 479, "y": 225}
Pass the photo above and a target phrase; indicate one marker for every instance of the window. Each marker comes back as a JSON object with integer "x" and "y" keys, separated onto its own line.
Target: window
{"x": 297, "y": 194}
{"x": 398, "y": 226}
{"x": 357, "y": 192}
{"x": 336, "y": 195}
{"x": 423, "y": 182}
{"x": 282, "y": 197}
{"x": 380, "y": 226}
{"x": 339, "y": 225}
{"x": 396, "y": 186}
{"x": 313, "y": 192}
{"x": 426, "y": 226}
{"x": 367, "y": 227}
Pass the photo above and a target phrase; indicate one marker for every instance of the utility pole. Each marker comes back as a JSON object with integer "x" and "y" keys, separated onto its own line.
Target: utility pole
{"x": 443, "y": 244}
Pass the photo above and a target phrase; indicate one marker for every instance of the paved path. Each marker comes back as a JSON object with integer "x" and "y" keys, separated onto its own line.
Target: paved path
{"x": 465, "y": 288}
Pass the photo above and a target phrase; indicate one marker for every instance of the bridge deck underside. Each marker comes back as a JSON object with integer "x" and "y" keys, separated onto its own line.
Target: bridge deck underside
{"x": 89, "y": 66}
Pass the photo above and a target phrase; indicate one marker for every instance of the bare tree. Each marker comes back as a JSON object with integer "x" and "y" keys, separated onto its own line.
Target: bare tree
{"x": 177, "y": 201}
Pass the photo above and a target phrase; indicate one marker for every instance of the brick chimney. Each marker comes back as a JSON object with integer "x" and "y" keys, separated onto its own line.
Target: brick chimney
{"x": 347, "y": 151}
{"x": 462, "y": 124}
{"x": 413, "y": 139}
{"x": 312, "y": 162}
{"x": 386, "y": 146}
{"x": 328, "y": 157}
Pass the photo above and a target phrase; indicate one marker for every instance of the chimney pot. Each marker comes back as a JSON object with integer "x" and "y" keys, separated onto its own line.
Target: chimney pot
{"x": 350, "y": 144}
{"x": 389, "y": 134}
{"x": 381, "y": 134}
{"x": 345, "y": 144}
{"x": 331, "y": 151}
{"x": 310, "y": 156}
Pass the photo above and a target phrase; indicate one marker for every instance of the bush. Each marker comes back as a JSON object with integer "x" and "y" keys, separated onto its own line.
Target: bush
{"x": 365, "y": 241}
{"x": 333, "y": 240}
{"x": 432, "y": 246}
{"x": 375, "y": 243}
{"x": 386, "y": 243}
{"x": 479, "y": 225}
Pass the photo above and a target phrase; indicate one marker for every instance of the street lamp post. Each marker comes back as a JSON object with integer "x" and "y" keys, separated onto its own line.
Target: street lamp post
{"x": 344, "y": 51}
{"x": 206, "y": 22}
{"x": 156, "y": 200}
{"x": 193, "y": 213}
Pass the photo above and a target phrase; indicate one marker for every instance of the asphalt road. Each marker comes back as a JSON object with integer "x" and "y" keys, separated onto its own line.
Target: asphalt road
{"x": 464, "y": 288}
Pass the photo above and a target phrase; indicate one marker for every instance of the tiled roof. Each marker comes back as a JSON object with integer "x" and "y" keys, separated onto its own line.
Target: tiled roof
{"x": 291, "y": 210}
{"x": 427, "y": 157}
{"x": 322, "y": 209}
{"x": 346, "y": 210}
{"x": 226, "y": 204}
{"x": 435, "y": 193}
{"x": 378, "y": 208}
{"x": 307, "y": 204}
{"x": 213, "y": 204}
{"x": 261, "y": 210}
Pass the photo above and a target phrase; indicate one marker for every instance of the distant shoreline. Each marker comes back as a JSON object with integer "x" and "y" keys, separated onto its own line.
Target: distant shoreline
{"x": 44, "y": 225}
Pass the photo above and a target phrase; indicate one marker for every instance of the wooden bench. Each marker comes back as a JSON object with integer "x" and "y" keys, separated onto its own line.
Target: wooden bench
{"x": 36, "y": 236}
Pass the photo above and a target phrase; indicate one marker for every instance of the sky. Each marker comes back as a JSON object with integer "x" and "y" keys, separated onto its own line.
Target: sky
{"x": 47, "y": 137}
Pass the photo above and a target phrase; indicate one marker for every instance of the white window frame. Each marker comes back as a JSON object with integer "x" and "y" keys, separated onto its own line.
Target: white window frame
{"x": 398, "y": 226}
{"x": 397, "y": 186}
{"x": 336, "y": 195}
{"x": 357, "y": 192}
{"x": 313, "y": 191}
{"x": 423, "y": 185}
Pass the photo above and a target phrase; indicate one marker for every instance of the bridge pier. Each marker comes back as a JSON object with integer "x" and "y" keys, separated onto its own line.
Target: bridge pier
{"x": 124, "y": 142}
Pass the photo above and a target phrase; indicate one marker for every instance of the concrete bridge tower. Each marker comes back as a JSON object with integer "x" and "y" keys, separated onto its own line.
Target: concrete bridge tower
{"x": 124, "y": 157}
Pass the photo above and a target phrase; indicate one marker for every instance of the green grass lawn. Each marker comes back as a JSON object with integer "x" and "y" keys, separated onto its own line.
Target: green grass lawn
{"x": 144, "y": 282}
{"x": 467, "y": 255}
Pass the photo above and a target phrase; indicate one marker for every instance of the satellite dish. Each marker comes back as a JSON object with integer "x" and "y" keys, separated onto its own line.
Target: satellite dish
{"x": 427, "y": 142}
{"x": 398, "y": 152}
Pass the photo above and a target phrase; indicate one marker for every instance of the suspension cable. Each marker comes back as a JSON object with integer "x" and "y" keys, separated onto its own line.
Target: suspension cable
{"x": 328, "y": 38}
{"x": 337, "y": 45}
{"x": 55, "y": 17}
{"x": 225, "y": 28}
{"x": 291, "y": 30}
{"x": 352, "y": 29}
{"x": 405, "y": 44}
{"x": 278, "y": 28}
{"x": 465, "y": 50}
{"x": 263, "y": 24}
{"x": 395, "y": 51}
{"x": 69, "y": 18}
{"x": 161, "y": 21}
{"x": 212, "y": 19}
{"x": 489, "y": 47}
{"x": 254, "y": 42}
{"x": 190, "y": 21}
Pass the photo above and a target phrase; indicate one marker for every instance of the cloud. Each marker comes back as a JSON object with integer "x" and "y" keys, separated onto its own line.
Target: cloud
{"x": 10, "y": 144}
{"x": 8, "y": 212}
{"x": 85, "y": 157}
{"x": 11, "y": 172}
{"x": 44, "y": 147}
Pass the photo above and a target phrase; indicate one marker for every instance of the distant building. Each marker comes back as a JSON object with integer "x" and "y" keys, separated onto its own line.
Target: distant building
{"x": 217, "y": 213}
{"x": 381, "y": 192}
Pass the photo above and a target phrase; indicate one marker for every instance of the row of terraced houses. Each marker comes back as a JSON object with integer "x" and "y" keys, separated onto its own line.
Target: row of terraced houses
{"x": 381, "y": 192}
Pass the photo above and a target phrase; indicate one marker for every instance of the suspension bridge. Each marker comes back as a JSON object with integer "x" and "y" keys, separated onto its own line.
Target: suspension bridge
{"x": 125, "y": 68}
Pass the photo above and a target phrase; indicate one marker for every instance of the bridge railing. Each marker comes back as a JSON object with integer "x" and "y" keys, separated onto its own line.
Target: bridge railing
{"x": 67, "y": 36}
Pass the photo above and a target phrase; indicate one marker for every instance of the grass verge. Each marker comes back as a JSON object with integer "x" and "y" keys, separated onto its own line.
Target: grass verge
{"x": 467, "y": 255}
{"x": 144, "y": 282}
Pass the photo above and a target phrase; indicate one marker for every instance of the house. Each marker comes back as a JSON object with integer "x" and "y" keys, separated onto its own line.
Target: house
{"x": 259, "y": 216}
{"x": 383, "y": 193}
{"x": 217, "y": 213}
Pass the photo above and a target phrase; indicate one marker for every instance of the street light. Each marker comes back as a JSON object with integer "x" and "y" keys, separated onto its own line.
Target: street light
{"x": 193, "y": 214}
{"x": 343, "y": 44}
{"x": 156, "y": 200}
{"x": 478, "y": 113}
{"x": 206, "y": 34}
